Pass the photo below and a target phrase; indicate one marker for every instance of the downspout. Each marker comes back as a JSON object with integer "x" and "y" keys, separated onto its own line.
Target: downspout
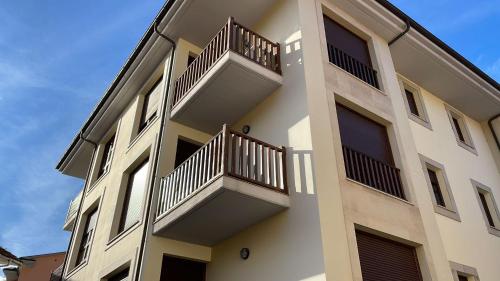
{"x": 157, "y": 156}
{"x": 490, "y": 124}
{"x": 407, "y": 28}
{"x": 81, "y": 202}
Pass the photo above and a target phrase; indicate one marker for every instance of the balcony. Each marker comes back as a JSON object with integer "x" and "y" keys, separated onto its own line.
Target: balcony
{"x": 353, "y": 66}
{"x": 72, "y": 210}
{"x": 372, "y": 172}
{"x": 236, "y": 70}
{"x": 229, "y": 184}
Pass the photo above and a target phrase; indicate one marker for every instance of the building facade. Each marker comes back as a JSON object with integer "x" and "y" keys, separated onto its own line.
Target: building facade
{"x": 288, "y": 140}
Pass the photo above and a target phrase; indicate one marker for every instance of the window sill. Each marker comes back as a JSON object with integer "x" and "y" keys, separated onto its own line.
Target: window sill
{"x": 76, "y": 269}
{"x": 379, "y": 191}
{"x": 141, "y": 133}
{"x": 120, "y": 236}
{"x": 354, "y": 77}
{"x": 446, "y": 212}
{"x": 467, "y": 147}
{"x": 420, "y": 120}
{"x": 97, "y": 182}
{"x": 493, "y": 230}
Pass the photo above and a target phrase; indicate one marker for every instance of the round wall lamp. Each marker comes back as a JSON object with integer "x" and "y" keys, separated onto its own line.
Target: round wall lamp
{"x": 245, "y": 129}
{"x": 244, "y": 253}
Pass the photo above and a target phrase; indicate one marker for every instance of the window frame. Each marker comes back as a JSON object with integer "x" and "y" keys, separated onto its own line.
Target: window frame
{"x": 120, "y": 229}
{"x": 468, "y": 143}
{"x": 450, "y": 207}
{"x": 75, "y": 264}
{"x": 463, "y": 270}
{"x": 491, "y": 204}
{"x": 143, "y": 122}
{"x": 107, "y": 156}
{"x": 422, "y": 118}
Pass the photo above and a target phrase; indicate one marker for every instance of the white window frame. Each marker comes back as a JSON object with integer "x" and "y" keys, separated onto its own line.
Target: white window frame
{"x": 468, "y": 143}
{"x": 450, "y": 209}
{"x": 423, "y": 117}
{"x": 464, "y": 270}
{"x": 492, "y": 206}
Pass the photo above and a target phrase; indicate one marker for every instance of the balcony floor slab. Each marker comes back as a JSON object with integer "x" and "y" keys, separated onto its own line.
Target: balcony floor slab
{"x": 229, "y": 90}
{"x": 223, "y": 208}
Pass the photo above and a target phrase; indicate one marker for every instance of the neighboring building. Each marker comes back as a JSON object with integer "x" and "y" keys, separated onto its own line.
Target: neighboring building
{"x": 33, "y": 268}
{"x": 357, "y": 147}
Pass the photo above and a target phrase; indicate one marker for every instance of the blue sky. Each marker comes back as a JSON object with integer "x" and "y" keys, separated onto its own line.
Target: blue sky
{"x": 58, "y": 57}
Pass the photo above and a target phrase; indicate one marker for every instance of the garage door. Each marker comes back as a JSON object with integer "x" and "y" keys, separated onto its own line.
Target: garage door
{"x": 386, "y": 260}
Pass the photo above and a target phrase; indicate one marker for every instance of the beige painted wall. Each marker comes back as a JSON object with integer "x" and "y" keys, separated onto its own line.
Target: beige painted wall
{"x": 467, "y": 242}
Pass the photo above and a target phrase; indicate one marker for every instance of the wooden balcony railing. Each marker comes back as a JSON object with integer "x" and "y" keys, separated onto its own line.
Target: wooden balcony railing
{"x": 73, "y": 207}
{"x": 377, "y": 174}
{"x": 353, "y": 66}
{"x": 237, "y": 38}
{"x": 229, "y": 153}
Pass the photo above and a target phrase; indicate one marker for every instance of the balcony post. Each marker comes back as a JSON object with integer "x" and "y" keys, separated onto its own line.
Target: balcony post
{"x": 278, "y": 59}
{"x": 230, "y": 32}
{"x": 225, "y": 149}
{"x": 283, "y": 164}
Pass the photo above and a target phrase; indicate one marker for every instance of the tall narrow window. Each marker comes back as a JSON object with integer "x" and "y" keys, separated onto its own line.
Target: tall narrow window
{"x": 433, "y": 178}
{"x": 488, "y": 207}
{"x": 458, "y": 130}
{"x": 106, "y": 157}
{"x": 412, "y": 103}
{"x": 439, "y": 188}
{"x": 134, "y": 195}
{"x": 88, "y": 231}
{"x": 459, "y": 126}
{"x": 150, "y": 105}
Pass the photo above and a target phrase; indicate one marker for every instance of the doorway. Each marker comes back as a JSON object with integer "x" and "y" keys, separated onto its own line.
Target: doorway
{"x": 184, "y": 150}
{"x": 176, "y": 269}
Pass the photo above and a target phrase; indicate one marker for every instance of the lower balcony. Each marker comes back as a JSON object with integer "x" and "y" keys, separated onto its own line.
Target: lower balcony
{"x": 236, "y": 70}
{"x": 229, "y": 184}
{"x": 72, "y": 210}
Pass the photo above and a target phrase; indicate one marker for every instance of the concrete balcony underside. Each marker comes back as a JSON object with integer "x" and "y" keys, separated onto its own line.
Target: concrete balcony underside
{"x": 224, "y": 207}
{"x": 229, "y": 90}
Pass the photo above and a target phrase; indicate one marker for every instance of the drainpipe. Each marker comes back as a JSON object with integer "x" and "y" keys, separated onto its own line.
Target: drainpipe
{"x": 407, "y": 28}
{"x": 81, "y": 202}
{"x": 490, "y": 124}
{"x": 157, "y": 158}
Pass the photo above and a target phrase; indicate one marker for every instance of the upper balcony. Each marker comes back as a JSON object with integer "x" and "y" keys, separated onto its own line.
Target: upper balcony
{"x": 229, "y": 184}
{"x": 234, "y": 72}
{"x": 72, "y": 210}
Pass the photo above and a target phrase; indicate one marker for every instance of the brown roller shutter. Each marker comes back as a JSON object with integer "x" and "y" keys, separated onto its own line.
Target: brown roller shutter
{"x": 386, "y": 260}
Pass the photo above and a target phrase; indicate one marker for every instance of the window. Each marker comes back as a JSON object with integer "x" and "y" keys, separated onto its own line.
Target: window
{"x": 184, "y": 150}
{"x": 439, "y": 188}
{"x": 463, "y": 272}
{"x": 191, "y": 58}
{"x": 436, "y": 188}
{"x": 120, "y": 276}
{"x": 367, "y": 152}
{"x": 384, "y": 259}
{"x": 134, "y": 195}
{"x": 414, "y": 103}
{"x": 349, "y": 52}
{"x": 150, "y": 105}
{"x": 488, "y": 207}
{"x": 88, "y": 231}
{"x": 106, "y": 157}
{"x": 460, "y": 129}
